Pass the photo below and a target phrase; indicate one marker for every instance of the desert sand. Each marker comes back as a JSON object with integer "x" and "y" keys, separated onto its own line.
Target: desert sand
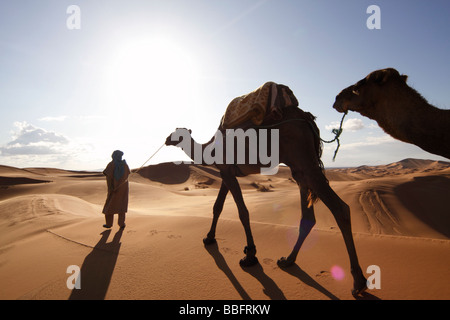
{"x": 51, "y": 219}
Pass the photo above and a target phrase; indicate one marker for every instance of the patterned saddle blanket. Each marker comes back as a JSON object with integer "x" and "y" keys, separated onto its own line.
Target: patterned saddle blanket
{"x": 255, "y": 106}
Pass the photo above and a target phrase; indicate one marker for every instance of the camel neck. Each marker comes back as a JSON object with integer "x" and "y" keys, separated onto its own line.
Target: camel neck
{"x": 408, "y": 117}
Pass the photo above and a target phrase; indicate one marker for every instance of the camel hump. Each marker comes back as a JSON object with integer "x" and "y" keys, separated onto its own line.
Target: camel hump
{"x": 254, "y": 106}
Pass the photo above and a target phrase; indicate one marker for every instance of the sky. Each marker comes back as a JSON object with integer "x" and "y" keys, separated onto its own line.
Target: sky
{"x": 77, "y": 84}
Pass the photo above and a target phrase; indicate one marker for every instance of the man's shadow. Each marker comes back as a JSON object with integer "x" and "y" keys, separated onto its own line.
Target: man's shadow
{"x": 97, "y": 268}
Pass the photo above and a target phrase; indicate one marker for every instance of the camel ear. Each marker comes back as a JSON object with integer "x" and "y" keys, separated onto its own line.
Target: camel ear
{"x": 355, "y": 91}
{"x": 190, "y": 131}
{"x": 404, "y": 77}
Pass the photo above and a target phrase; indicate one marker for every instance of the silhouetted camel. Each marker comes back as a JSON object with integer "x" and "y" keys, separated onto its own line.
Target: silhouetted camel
{"x": 400, "y": 110}
{"x": 299, "y": 148}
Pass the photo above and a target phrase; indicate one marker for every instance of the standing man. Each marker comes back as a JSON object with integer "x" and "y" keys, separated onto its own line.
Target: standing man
{"x": 116, "y": 172}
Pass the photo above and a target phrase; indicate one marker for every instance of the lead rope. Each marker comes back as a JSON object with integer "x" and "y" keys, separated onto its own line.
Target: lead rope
{"x": 139, "y": 167}
{"x": 337, "y": 133}
{"x": 150, "y": 158}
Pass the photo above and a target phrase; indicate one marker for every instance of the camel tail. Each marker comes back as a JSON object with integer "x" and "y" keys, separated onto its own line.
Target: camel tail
{"x": 312, "y": 196}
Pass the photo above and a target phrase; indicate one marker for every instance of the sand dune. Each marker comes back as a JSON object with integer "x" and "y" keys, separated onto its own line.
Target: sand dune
{"x": 50, "y": 219}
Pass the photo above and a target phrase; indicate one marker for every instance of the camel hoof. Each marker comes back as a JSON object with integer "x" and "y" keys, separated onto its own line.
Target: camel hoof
{"x": 250, "y": 257}
{"x": 284, "y": 262}
{"x": 248, "y": 261}
{"x": 358, "y": 291}
{"x": 208, "y": 241}
{"x": 359, "y": 286}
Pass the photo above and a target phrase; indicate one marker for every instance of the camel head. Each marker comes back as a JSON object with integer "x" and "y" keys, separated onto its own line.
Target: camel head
{"x": 364, "y": 94}
{"x": 177, "y": 136}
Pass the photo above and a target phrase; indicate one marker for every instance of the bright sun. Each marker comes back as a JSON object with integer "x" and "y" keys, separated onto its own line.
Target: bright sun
{"x": 155, "y": 75}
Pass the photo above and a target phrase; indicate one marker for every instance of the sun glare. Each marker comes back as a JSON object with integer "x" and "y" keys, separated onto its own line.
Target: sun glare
{"x": 151, "y": 76}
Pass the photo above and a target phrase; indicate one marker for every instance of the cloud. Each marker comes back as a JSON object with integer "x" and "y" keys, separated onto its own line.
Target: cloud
{"x": 48, "y": 119}
{"x": 31, "y": 140}
{"x": 366, "y": 143}
{"x": 370, "y": 141}
{"x": 354, "y": 124}
{"x": 33, "y": 146}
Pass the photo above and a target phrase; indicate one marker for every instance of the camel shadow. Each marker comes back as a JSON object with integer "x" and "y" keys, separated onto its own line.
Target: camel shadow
{"x": 297, "y": 272}
{"x": 366, "y": 296}
{"x": 271, "y": 289}
{"x": 97, "y": 268}
{"x": 213, "y": 250}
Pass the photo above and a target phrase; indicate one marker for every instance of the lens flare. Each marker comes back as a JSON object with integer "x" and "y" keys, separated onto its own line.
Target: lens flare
{"x": 337, "y": 272}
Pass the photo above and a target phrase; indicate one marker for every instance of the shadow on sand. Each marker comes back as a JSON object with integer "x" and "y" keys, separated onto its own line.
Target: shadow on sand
{"x": 213, "y": 250}
{"x": 297, "y": 272}
{"x": 97, "y": 268}
{"x": 270, "y": 287}
{"x": 428, "y": 198}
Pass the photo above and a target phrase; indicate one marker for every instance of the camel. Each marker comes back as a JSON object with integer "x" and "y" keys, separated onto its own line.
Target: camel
{"x": 399, "y": 110}
{"x": 300, "y": 148}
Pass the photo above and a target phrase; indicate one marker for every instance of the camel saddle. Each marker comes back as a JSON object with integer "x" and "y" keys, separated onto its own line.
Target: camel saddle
{"x": 267, "y": 100}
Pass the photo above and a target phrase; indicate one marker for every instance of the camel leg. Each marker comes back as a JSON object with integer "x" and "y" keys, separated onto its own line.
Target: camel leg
{"x": 217, "y": 210}
{"x": 341, "y": 212}
{"x": 306, "y": 224}
{"x": 250, "y": 250}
